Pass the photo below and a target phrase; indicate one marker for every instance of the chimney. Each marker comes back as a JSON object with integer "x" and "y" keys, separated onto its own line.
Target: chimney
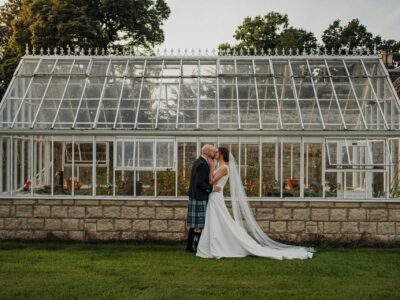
{"x": 387, "y": 58}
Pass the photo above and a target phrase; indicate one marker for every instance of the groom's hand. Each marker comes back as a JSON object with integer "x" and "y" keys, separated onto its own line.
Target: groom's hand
{"x": 217, "y": 189}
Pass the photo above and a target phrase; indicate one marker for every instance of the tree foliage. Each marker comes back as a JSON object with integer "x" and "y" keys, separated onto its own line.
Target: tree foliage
{"x": 269, "y": 32}
{"x": 77, "y": 23}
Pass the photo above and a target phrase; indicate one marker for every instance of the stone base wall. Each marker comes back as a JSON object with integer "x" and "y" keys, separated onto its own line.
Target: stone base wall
{"x": 86, "y": 220}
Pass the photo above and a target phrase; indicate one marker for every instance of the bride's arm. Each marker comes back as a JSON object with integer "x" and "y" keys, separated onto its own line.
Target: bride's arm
{"x": 215, "y": 177}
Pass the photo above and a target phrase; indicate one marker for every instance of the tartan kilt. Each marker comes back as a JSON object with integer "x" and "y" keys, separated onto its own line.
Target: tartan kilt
{"x": 196, "y": 216}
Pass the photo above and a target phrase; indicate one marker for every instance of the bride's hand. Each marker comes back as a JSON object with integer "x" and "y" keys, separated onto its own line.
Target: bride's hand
{"x": 211, "y": 163}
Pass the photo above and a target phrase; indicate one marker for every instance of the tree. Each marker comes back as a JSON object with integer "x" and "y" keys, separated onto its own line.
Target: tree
{"x": 269, "y": 32}
{"x": 354, "y": 35}
{"x": 77, "y": 23}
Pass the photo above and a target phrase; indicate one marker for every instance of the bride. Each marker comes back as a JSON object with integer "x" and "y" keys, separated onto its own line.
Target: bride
{"x": 224, "y": 236}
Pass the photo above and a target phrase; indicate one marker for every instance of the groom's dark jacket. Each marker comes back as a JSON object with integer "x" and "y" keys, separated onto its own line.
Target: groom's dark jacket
{"x": 200, "y": 188}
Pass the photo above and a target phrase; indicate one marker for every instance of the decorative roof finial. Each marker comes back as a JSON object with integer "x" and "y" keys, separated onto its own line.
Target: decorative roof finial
{"x": 68, "y": 50}
{"x": 26, "y": 49}
{"x": 41, "y": 51}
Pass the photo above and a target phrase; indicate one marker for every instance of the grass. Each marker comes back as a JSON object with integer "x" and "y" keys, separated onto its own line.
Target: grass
{"x": 55, "y": 270}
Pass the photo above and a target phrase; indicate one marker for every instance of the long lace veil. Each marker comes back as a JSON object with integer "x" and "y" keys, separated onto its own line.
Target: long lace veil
{"x": 244, "y": 215}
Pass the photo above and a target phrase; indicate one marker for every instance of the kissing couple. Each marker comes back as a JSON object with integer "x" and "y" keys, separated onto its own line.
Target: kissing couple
{"x": 213, "y": 232}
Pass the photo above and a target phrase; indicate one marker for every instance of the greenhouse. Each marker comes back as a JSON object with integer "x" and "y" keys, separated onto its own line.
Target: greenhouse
{"x": 129, "y": 127}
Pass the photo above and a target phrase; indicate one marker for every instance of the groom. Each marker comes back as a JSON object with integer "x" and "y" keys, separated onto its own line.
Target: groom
{"x": 199, "y": 190}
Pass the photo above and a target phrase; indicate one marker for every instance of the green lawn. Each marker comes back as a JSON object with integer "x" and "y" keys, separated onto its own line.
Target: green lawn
{"x": 151, "y": 271}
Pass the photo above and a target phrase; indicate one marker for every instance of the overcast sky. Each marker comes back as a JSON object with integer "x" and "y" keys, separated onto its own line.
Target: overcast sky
{"x": 207, "y": 23}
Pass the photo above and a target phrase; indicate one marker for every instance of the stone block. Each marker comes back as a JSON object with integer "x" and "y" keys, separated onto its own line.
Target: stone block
{"x": 394, "y": 215}
{"x": 35, "y": 223}
{"x": 350, "y": 227}
{"x": 105, "y": 225}
{"x": 15, "y": 223}
{"x": 24, "y": 211}
{"x": 76, "y": 211}
{"x": 278, "y": 226}
{"x": 24, "y": 235}
{"x": 272, "y": 203}
{"x": 41, "y": 211}
{"x": 154, "y": 203}
{"x": 338, "y": 214}
{"x": 90, "y": 226}
{"x": 164, "y": 212}
{"x": 294, "y": 204}
{"x": 52, "y": 224}
{"x": 180, "y": 203}
{"x": 301, "y": 214}
{"x": 321, "y": 204}
{"x": 123, "y": 225}
{"x": 134, "y": 202}
{"x": 140, "y": 225}
{"x": 112, "y": 202}
{"x": 357, "y": 214}
{"x": 1, "y": 223}
{"x": 76, "y": 235}
{"x": 347, "y": 204}
{"x": 129, "y": 212}
{"x": 40, "y": 235}
{"x": 332, "y": 227}
{"x": 265, "y": 214}
{"x": 283, "y": 213}
{"x": 70, "y": 224}
{"x": 176, "y": 226}
{"x": 111, "y": 211}
{"x": 320, "y": 214}
{"x": 59, "y": 211}
{"x": 111, "y": 236}
{"x": 24, "y": 202}
{"x": 49, "y": 202}
{"x": 87, "y": 202}
{"x": 378, "y": 214}
{"x": 129, "y": 236}
{"x": 180, "y": 213}
{"x": 94, "y": 211}
{"x": 158, "y": 225}
{"x": 296, "y": 226}
{"x": 147, "y": 212}
{"x": 368, "y": 227}
{"x": 68, "y": 202}
{"x": 386, "y": 228}
{"x": 4, "y": 211}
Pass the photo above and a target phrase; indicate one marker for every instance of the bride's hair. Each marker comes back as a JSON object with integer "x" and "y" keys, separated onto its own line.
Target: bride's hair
{"x": 224, "y": 152}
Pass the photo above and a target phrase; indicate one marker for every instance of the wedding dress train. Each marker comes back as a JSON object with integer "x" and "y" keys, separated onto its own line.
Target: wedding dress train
{"x": 225, "y": 236}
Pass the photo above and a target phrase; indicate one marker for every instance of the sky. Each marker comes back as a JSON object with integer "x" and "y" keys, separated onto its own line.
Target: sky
{"x": 208, "y": 23}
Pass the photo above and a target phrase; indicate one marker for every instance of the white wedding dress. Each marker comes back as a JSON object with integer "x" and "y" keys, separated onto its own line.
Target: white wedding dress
{"x": 224, "y": 236}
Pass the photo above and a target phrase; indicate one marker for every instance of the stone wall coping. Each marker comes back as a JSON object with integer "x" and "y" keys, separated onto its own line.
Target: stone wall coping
{"x": 183, "y": 198}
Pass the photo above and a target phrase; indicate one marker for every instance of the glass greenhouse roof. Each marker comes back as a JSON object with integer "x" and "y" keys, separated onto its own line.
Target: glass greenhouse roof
{"x": 205, "y": 93}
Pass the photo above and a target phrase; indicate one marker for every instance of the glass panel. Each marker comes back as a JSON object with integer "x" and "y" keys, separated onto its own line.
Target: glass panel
{"x": 117, "y": 68}
{"x": 104, "y": 168}
{"x": 248, "y": 108}
{"x": 145, "y": 183}
{"x": 99, "y": 68}
{"x": 168, "y": 103}
{"x": 244, "y": 67}
{"x": 149, "y": 103}
{"x": 124, "y": 183}
{"x": 109, "y": 103}
{"x": 190, "y": 68}
{"x": 374, "y": 68}
{"x": 313, "y": 170}
{"x": 62, "y": 167}
{"x": 63, "y": 66}
{"x": 129, "y": 102}
{"x": 166, "y": 183}
{"x": 226, "y": 67}
{"x": 32, "y": 101}
{"x": 355, "y": 68}
{"x": 83, "y": 156}
{"x": 90, "y": 102}
{"x": 395, "y": 168}
{"x": 271, "y": 169}
{"x": 27, "y": 67}
{"x": 135, "y": 68}
{"x": 51, "y": 102}
{"x": 69, "y": 105}
{"x": 187, "y": 117}
{"x": 153, "y": 68}
{"x": 232, "y": 145}
{"x": 250, "y": 167}
{"x": 208, "y": 68}
{"x": 187, "y": 154}
{"x": 80, "y": 66}
{"x": 46, "y": 66}
{"x": 172, "y": 69}
{"x": 291, "y": 169}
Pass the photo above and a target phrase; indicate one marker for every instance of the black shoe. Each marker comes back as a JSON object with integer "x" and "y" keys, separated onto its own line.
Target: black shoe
{"x": 189, "y": 244}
